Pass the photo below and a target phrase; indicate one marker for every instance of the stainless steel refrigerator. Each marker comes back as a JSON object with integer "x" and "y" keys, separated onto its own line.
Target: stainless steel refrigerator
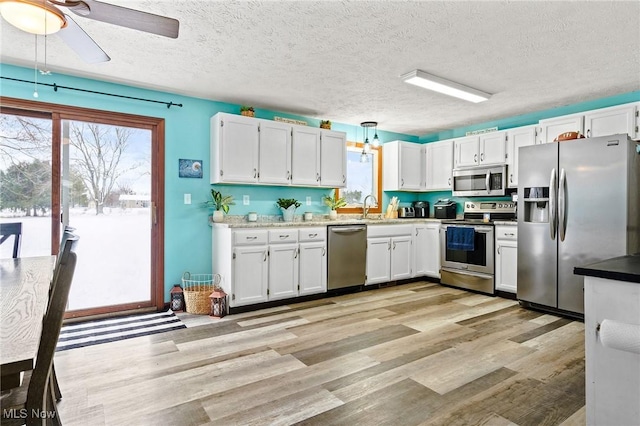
{"x": 578, "y": 203}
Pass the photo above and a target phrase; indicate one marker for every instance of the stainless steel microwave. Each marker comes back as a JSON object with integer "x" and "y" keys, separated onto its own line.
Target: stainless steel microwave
{"x": 480, "y": 181}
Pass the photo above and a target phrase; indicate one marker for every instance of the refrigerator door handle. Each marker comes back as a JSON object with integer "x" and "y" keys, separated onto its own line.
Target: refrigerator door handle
{"x": 552, "y": 203}
{"x": 562, "y": 205}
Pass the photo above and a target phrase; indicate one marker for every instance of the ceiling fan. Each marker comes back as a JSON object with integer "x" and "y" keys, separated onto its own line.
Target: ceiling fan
{"x": 45, "y": 17}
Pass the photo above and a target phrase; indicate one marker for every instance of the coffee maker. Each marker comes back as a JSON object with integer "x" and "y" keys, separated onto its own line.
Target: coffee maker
{"x": 421, "y": 209}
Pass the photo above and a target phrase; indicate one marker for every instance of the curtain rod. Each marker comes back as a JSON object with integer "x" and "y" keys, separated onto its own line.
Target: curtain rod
{"x": 56, "y": 87}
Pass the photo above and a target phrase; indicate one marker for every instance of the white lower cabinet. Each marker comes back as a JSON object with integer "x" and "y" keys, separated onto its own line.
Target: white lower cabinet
{"x": 250, "y": 271}
{"x": 506, "y": 258}
{"x": 259, "y": 265}
{"x": 313, "y": 268}
{"x": 389, "y": 254}
{"x": 426, "y": 250}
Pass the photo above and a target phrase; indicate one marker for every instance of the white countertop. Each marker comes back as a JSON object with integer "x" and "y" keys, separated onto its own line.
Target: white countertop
{"x": 505, "y": 222}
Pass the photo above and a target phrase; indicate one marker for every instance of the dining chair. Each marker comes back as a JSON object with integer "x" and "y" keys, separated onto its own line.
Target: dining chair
{"x": 67, "y": 233}
{"x": 35, "y": 397}
{"x": 9, "y": 229}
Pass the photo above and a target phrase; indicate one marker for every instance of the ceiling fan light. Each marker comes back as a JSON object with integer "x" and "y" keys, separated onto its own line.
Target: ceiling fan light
{"x": 33, "y": 16}
{"x": 437, "y": 84}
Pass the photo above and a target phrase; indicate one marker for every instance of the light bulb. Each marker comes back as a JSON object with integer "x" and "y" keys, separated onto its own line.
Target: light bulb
{"x": 376, "y": 140}
{"x": 367, "y": 147}
{"x": 364, "y": 158}
{"x": 35, "y": 93}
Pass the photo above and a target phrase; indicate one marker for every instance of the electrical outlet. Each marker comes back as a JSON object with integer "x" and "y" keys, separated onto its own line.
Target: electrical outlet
{"x": 308, "y": 201}
{"x": 187, "y": 198}
{"x": 245, "y": 200}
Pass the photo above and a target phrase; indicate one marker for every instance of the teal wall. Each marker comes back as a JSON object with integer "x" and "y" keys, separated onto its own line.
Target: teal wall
{"x": 187, "y": 233}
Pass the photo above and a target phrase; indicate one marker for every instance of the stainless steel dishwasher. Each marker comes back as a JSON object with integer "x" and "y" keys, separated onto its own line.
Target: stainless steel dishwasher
{"x": 347, "y": 261}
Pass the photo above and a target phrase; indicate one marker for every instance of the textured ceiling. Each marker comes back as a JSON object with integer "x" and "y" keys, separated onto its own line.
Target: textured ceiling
{"x": 341, "y": 60}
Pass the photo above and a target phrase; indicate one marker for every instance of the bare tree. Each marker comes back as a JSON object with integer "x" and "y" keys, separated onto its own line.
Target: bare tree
{"x": 99, "y": 150}
{"x": 24, "y": 139}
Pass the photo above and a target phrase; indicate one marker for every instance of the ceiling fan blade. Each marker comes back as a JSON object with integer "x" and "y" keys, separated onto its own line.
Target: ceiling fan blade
{"x": 130, "y": 18}
{"x": 81, "y": 43}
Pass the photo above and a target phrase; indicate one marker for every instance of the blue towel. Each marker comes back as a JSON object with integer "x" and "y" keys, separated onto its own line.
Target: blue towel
{"x": 460, "y": 238}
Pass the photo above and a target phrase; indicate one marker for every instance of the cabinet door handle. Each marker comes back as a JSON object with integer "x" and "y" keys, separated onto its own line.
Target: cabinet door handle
{"x": 449, "y": 181}
{"x": 317, "y": 177}
{"x": 498, "y": 249}
{"x": 251, "y": 238}
{"x": 282, "y": 237}
{"x": 389, "y": 246}
{"x": 511, "y": 178}
{"x": 344, "y": 179}
{"x": 509, "y": 234}
{"x": 588, "y": 133}
{"x": 255, "y": 173}
{"x": 323, "y": 251}
{"x": 416, "y": 232}
{"x": 313, "y": 235}
{"x": 394, "y": 245}
{"x": 402, "y": 182}
{"x": 295, "y": 255}
{"x": 475, "y": 158}
{"x": 482, "y": 157}
{"x": 288, "y": 175}
{"x": 265, "y": 257}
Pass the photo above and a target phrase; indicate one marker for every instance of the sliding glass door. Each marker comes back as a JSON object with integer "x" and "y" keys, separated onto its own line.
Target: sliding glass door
{"x": 100, "y": 173}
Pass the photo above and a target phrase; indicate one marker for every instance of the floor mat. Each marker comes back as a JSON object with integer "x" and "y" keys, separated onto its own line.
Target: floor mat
{"x": 95, "y": 332}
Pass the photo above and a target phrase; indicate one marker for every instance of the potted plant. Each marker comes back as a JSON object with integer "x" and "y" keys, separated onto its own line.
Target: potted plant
{"x": 288, "y": 207}
{"x": 325, "y": 124}
{"x": 334, "y": 203}
{"x": 220, "y": 203}
{"x": 247, "y": 111}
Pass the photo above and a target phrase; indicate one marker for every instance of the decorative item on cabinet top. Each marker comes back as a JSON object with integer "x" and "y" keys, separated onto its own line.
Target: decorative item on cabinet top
{"x": 247, "y": 111}
{"x": 325, "y": 124}
{"x": 568, "y": 136}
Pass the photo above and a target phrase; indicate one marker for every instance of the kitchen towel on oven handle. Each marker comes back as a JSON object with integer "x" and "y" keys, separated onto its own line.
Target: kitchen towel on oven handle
{"x": 460, "y": 238}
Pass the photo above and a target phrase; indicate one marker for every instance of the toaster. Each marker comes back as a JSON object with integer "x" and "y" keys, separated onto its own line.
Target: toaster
{"x": 445, "y": 209}
{"x": 406, "y": 212}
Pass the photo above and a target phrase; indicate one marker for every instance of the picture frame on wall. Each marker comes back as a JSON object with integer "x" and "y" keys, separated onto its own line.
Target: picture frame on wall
{"x": 190, "y": 168}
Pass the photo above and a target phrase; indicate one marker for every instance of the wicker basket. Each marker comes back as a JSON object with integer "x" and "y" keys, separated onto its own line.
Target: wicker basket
{"x": 197, "y": 288}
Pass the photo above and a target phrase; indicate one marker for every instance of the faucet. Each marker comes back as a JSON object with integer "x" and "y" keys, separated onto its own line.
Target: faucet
{"x": 365, "y": 209}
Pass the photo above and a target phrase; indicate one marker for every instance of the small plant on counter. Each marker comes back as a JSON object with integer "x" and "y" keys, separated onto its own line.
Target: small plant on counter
{"x": 334, "y": 202}
{"x": 219, "y": 201}
{"x": 285, "y": 203}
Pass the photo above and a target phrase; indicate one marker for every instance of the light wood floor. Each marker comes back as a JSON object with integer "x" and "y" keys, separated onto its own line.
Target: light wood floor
{"x": 416, "y": 354}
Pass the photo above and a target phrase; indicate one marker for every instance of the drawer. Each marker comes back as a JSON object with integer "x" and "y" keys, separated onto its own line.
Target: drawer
{"x": 374, "y": 231}
{"x": 506, "y": 232}
{"x": 284, "y": 235}
{"x": 249, "y": 237}
{"x": 312, "y": 234}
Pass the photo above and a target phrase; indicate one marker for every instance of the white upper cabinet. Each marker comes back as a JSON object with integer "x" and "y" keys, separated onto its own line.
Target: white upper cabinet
{"x": 493, "y": 148}
{"x": 402, "y": 166}
{"x": 486, "y": 149}
{"x": 256, "y": 151}
{"x": 609, "y": 121}
{"x": 333, "y": 159}
{"x": 305, "y": 156}
{"x": 438, "y": 165}
{"x": 234, "y": 148}
{"x": 274, "y": 165}
{"x": 466, "y": 151}
{"x": 517, "y": 138}
{"x": 551, "y": 128}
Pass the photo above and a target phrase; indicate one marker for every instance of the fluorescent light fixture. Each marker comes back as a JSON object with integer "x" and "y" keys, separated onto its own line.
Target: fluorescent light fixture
{"x": 438, "y": 84}
{"x": 33, "y": 16}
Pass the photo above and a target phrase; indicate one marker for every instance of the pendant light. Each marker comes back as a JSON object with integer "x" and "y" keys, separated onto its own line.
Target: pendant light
{"x": 366, "y": 147}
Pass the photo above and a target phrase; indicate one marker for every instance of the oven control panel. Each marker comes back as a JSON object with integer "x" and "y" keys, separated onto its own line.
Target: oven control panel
{"x": 489, "y": 207}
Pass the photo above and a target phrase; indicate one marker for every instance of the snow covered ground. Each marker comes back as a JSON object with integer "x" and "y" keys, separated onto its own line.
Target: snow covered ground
{"x": 113, "y": 254}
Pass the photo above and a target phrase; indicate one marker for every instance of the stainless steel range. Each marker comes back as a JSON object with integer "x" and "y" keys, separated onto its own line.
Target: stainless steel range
{"x": 466, "y": 245}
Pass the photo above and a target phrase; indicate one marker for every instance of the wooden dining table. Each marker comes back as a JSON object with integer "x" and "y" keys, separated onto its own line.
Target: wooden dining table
{"x": 24, "y": 292}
